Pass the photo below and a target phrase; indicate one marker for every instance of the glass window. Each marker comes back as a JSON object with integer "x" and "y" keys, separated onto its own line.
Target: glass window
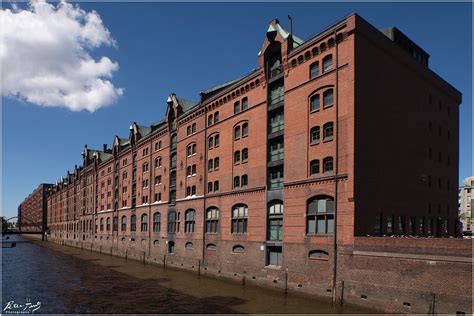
{"x": 210, "y": 165}
{"x": 320, "y": 215}
{"x": 245, "y": 129}
{"x": 239, "y": 219}
{"x": 327, "y": 164}
{"x": 244, "y": 180}
{"x": 216, "y": 140}
{"x": 144, "y": 223}
{"x": 314, "y": 70}
{"x": 133, "y": 223}
{"x": 212, "y": 220}
{"x": 236, "y": 107}
{"x": 216, "y": 186}
{"x": 328, "y": 129}
{"x": 245, "y": 154}
{"x": 156, "y": 222}
{"x": 237, "y": 132}
{"x": 190, "y": 221}
{"x": 172, "y": 222}
{"x": 314, "y": 167}
{"x": 328, "y": 98}
{"x": 236, "y": 182}
{"x": 314, "y": 135}
{"x": 244, "y": 104}
{"x": 237, "y": 157}
{"x": 314, "y": 103}
{"x": 216, "y": 163}
{"x": 275, "y": 220}
{"x": 216, "y": 117}
{"x": 209, "y": 120}
{"x": 209, "y": 187}
{"x": 124, "y": 223}
{"x": 327, "y": 63}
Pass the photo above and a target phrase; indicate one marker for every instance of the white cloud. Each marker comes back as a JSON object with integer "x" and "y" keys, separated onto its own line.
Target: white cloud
{"x": 45, "y": 52}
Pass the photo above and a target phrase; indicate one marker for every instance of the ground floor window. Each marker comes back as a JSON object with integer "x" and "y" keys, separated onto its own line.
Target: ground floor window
{"x": 274, "y": 256}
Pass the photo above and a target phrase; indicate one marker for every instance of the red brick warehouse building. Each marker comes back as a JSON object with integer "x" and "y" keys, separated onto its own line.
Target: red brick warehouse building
{"x": 345, "y": 135}
{"x": 32, "y": 212}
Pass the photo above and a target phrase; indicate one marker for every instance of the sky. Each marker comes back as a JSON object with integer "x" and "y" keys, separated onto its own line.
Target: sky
{"x": 104, "y": 65}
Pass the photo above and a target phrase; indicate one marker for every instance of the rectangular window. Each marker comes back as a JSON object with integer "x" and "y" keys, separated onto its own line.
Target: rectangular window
{"x": 274, "y": 256}
{"x": 277, "y": 94}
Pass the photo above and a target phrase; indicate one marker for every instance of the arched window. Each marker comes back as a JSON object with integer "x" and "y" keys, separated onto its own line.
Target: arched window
{"x": 211, "y": 142}
{"x": 315, "y": 134}
{"x": 328, "y": 98}
{"x": 145, "y": 167}
{"x": 293, "y": 63}
{"x": 318, "y": 255}
{"x": 210, "y": 165}
{"x": 209, "y": 187}
{"x": 174, "y": 141}
{"x": 133, "y": 223}
{"x": 158, "y": 162}
{"x": 244, "y": 104}
{"x": 275, "y": 220}
{"x": 216, "y": 140}
{"x": 216, "y": 117}
{"x": 238, "y": 249}
{"x": 108, "y": 224}
{"x": 244, "y": 181}
{"x": 239, "y": 219}
{"x": 156, "y": 222}
{"x": 173, "y": 196}
{"x": 245, "y": 154}
{"x": 188, "y": 130}
{"x": 159, "y": 144}
{"x": 189, "y": 221}
{"x": 189, "y": 245}
{"x": 101, "y": 224}
{"x": 173, "y": 178}
{"x": 328, "y": 131}
{"x": 314, "y": 103}
{"x": 314, "y": 167}
{"x": 191, "y": 149}
{"x": 115, "y": 224}
{"x": 209, "y": 120}
{"x": 236, "y": 107}
{"x": 331, "y": 42}
{"x": 314, "y": 70}
{"x": 245, "y": 129}
{"x": 124, "y": 175}
{"x": 307, "y": 55}
{"x": 237, "y": 132}
{"x": 328, "y": 164}
{"x": 212, "y": 247}
{"x": 237, "y": 157}
{"x": 124, "y": 223}
{"x": 216, "y": 186}
{"x": 327, "y": 63}
{"x": 173, "y": 159}
{"x": 236, "y": 182}
{"x": 171, "y": 222}
{"x": 320, "y": 215}
{"x": 144, "y": 223}
{"x": 193, "y": 128}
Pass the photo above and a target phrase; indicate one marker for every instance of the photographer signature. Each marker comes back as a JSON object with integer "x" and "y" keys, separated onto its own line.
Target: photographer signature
{"x": 16, "y": 308}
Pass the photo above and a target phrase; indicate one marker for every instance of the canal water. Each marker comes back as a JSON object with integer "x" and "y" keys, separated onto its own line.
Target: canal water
{"x": 62, "y": 280}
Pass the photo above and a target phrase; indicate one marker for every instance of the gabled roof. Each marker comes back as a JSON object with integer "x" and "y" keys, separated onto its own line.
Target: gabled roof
{"x": 208, "y": 93}
{"x": 144, "y": 130}
{"x": 186, "y": 105}
{"x": 296, "y": 40}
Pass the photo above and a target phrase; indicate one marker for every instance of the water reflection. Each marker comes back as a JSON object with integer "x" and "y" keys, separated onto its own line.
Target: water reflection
{"x": 71, "y": 280}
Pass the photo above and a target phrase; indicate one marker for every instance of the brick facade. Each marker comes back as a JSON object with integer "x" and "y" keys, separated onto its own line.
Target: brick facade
{"x": 336, "y": 135}
{"x": 32, "y": 212}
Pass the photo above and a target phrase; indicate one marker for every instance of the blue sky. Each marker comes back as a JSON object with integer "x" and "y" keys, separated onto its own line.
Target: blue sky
{"x": 185, "y": 48}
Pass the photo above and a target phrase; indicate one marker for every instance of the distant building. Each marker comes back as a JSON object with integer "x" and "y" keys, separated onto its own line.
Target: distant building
{"x": 466, "y": 199}
{"x": 32, "y": 214}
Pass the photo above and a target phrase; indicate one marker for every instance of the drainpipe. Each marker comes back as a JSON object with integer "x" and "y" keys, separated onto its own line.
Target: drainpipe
{"x": 336, "y": 168}
{"x": 205, "y": 188}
